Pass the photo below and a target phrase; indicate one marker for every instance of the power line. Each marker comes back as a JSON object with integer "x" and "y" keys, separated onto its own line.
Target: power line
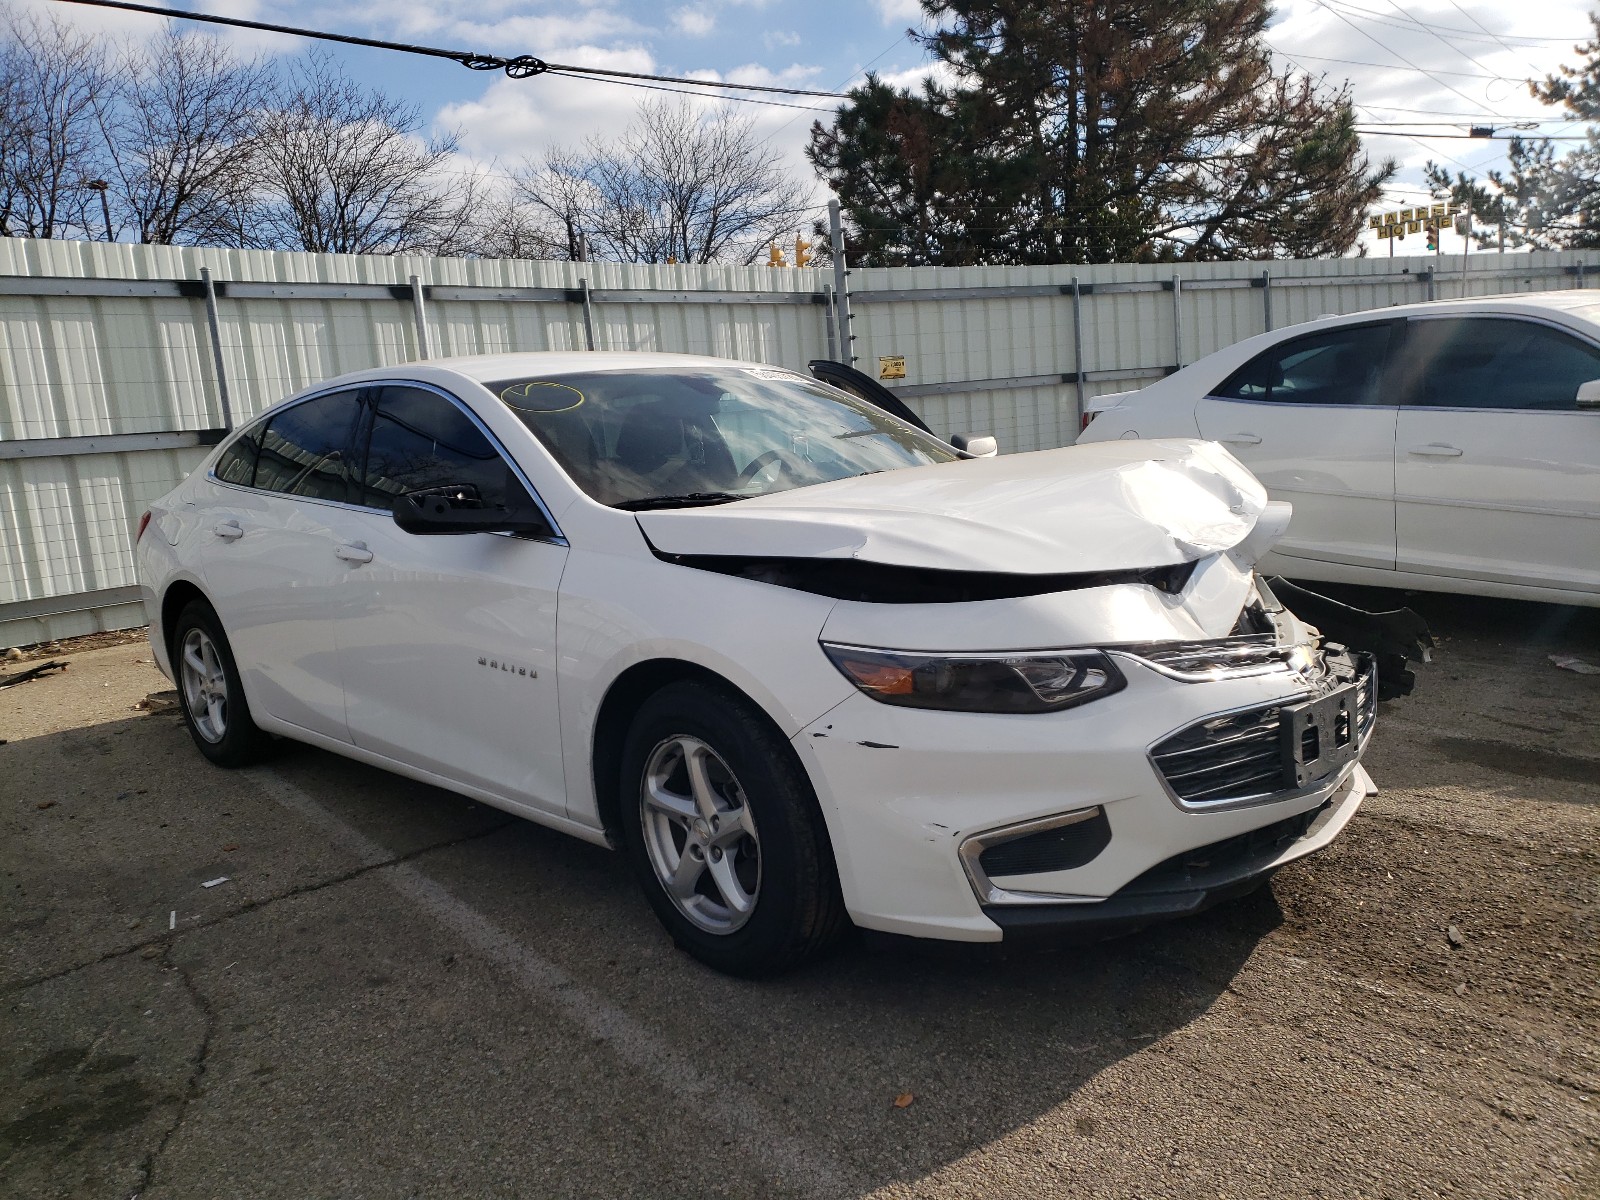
{"x": 1463, "y": 34}
{"x": 1355, "y": 62}
{"x": 1489, "y": 31}
{"x": 1325, "y": 6}
{"x": 522, "y": 66}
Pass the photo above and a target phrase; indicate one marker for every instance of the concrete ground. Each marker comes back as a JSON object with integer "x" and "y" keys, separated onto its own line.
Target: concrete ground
{"x": 397, "y": 992}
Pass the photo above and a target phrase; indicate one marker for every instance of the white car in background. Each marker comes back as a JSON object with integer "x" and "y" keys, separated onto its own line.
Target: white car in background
{"x": 1451, "y": 446}
{"x": 802, "y": 662}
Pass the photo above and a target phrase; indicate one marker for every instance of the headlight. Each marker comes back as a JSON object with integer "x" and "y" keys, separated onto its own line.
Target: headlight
{"x": 988, "y": 683}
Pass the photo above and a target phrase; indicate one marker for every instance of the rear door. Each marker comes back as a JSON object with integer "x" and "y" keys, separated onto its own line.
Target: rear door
{"x": 1497, "y": 470}
{"x": 270, "y": 565}
{"x": 1314, "y": 419}
{"x": 447, "y": 643}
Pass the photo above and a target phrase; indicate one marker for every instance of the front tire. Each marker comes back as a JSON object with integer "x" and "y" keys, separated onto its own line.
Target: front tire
{"x": 723, "y": 832}
{"x": 209, "y": 692}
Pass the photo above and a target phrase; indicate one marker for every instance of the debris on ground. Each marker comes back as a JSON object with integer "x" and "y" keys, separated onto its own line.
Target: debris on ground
{"x": 13, "y": 654}
{"x": 159, "y": 702}
{"x": 1568, "y": 662}
{"x": 43, "y": 804}
{"x": 211, "y": 883}
{"x": 44, "y": 668}
{"x": 903, "y": 1100}
{"x": 1454, "y": 936}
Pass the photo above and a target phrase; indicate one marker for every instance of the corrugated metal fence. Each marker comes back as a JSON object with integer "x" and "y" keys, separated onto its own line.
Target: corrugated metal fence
{"x": 120, "y": 364}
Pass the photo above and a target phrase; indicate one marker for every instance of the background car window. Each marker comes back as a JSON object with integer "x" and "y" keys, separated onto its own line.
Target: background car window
{"x": 1341, "y": 366}
{"x": 305, "y": 450}
{"x": 1488, "y": 362}
{"x": 421, "y": 442}
{"x": 237, "y": 463}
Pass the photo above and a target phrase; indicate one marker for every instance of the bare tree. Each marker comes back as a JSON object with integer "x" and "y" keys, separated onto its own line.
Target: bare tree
{"x": 677, "y": 185}
{"x": 342, "y": 169}
{"x": 179, "y": 131}
{"x": 50, "y": 143}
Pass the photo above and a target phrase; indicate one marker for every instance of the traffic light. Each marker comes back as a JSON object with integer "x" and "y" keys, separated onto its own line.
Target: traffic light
{"x": 802, "y": 252}
{"x": 1433, "y": 236}
{"x": 775, "y": 256}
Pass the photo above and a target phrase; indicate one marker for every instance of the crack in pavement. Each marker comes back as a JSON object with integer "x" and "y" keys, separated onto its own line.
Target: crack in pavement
{"x": 166, "y": 937}
{"x": 191, "y": 1091}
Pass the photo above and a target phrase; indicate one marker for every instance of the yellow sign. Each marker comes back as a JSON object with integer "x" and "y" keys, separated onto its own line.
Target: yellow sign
{"x": 891, "y": 366}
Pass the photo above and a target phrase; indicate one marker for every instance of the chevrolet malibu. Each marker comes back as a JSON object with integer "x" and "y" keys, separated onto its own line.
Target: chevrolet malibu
{"x": 804, "y": 664}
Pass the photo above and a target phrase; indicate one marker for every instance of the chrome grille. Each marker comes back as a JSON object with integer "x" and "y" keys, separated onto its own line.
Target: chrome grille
{"x": 1235, "y": 756}
{"x": 1224, "y": 758}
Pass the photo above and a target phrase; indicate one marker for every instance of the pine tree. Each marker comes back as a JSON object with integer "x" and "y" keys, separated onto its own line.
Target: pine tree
{"x": 1543, "y": 202}
{"x": 1096, "y": 131}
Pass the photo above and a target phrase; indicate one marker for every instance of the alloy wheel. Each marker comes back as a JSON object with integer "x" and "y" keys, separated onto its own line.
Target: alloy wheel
{"x": 700, "y": 834}
{"x": 205, "y": 685}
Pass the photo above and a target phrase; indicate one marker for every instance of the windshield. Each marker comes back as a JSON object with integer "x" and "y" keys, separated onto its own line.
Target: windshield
{"x": 653, "y": 438}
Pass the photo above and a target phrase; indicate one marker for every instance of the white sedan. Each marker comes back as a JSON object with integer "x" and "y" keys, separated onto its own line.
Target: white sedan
{"x": 803, "y": 663}
{"x": 1451, "y": 446}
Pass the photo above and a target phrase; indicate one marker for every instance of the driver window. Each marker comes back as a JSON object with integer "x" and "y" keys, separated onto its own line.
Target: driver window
{"x": 421, "y": 442}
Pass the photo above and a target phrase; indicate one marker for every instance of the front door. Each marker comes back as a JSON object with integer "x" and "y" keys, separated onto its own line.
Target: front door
{"x": 447, "y": 643}
{"x": 1497, "y": 470}
{"x": 1313, "y": 419}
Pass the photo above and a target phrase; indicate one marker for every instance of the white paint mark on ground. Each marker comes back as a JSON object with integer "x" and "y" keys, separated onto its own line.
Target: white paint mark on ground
{"x": 794, "y": 1161}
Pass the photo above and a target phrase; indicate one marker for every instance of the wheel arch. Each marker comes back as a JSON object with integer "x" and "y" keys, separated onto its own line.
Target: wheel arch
{"x": 624, "y": 698}
{"x": 179, "y": 593}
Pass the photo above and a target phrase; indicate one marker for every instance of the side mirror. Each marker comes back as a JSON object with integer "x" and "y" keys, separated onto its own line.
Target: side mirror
{"x": 976, "y": 445}
{"x": 433, "y": 513}
{"x": 1589, "y": 394}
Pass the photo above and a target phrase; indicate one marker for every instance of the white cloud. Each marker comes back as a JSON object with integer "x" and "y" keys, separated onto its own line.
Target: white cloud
{"x": 693, "y": 22}
{"x": 777, "y": 37}
{"x": 898, "y": 12}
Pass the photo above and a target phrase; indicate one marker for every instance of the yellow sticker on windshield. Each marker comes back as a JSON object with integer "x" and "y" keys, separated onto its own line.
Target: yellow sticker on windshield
{"x": 542, "y": 395}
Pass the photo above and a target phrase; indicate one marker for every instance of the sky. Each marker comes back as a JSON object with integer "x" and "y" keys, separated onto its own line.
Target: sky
{"x": 1420, "y": 71}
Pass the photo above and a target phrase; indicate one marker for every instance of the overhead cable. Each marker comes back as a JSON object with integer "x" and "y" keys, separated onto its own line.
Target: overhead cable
{"x": 521, "y": 66}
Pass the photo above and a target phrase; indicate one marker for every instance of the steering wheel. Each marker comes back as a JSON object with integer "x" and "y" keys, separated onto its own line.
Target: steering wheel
{"x": 787, "y": 463}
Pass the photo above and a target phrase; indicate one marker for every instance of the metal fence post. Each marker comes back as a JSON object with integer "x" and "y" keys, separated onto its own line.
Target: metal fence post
{"x": 828, "y": 319}
{"x": 1427, "y": 278}
{"x": 1077, "y": 356}
{"x": 588, "y": 312}
{"x": 424, "y": 344}
{"x": 841, "y": 292}
{"x": 1177, "y": 317}
{"x": 1580, "y": 274}
{"x": 1266, "y": 297}
{"x": 216, "y": 347}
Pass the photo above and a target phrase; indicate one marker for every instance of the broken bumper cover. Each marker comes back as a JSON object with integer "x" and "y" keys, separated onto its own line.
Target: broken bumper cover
{"x": 904, "y": 790}
{"x": 1188, "y": 883}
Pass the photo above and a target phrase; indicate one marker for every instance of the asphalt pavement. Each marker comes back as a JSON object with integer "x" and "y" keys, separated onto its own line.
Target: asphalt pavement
{"x": 396, "y": 992}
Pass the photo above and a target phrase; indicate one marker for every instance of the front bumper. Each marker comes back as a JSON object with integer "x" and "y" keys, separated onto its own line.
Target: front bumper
{"x": 904, "y": 789}
{"x": 1187, "y": 883}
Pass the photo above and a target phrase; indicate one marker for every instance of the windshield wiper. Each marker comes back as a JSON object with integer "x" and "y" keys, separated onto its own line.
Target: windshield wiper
{"x": 687, "y": 500}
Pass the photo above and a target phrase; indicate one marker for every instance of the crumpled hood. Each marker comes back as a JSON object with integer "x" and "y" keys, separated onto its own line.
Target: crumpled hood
{"x": 1106, "y": 506}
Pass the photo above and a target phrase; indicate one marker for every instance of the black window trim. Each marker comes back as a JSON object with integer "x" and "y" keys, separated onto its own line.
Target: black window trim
{"x": 1384, "y": 371}
{"x": 362, "y": 429}
{"x": 1526, "y": 318}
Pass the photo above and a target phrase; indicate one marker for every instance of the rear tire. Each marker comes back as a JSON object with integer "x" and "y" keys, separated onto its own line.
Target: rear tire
{"x": 209, "y": 692}
{"x": 722, "y": 829}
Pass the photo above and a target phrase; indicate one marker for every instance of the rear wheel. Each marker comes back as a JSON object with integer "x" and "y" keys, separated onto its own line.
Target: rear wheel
{"x": 209, "y": 692}
{"x": 722, "y": 830}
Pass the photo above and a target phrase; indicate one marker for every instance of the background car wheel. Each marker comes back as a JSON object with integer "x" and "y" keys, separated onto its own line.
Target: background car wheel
{"x": 209, "y": 692}
{"x": 722, "y": 828}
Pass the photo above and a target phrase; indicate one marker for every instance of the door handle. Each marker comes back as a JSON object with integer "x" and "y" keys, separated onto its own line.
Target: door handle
{"x": 353, "y": 552}
{"x": 228, "y": 531}
{"x": 1241, "y": 439}
{"x": 1436, "y": 450}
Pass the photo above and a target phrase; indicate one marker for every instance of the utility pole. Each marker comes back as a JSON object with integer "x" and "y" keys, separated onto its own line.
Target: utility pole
{"x": 101, "y": 186}
{"x": 841, "y": 293}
